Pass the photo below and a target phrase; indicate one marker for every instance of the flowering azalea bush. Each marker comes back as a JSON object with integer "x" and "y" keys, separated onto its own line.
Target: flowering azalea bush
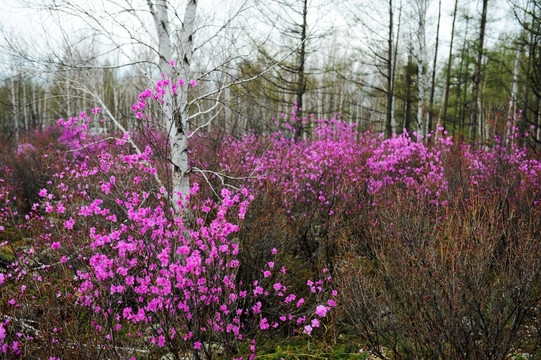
{"x": 409, "y": 162}
{"x": 110, "y": 269}
{"x": 447, "y": 220}
{"x": 460, "y": 276}
{"x": 434, "y": 247}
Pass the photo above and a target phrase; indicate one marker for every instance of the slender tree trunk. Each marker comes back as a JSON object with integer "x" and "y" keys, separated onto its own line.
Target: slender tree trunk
{"x": 301, "y": 83}
{"x": 15, "y": 110}
{"x": 68, "y": 97}
{"x": 537, "y": 119}
{"x": 433, "y": 86}
{"x": 353, "y": 115}
{"x": 514, "y": 90}
{"x": 176, "y": 107}
{"x": 228, "y": 117}
{"x": 530, "y": 86}
{"x": 536, "y": 116}
{"x": 537, "y": 87}
{"x": 483, "y": 124}
{"x": 340, "y": 99}
{"x": 38, "y": 108}
{"x": 44, "y": 107}
{"x": 114, "y": 90}
{"x": 448, "y": 73}
{"x": 409, "y": 101}
{"x": 34, "y": 115}
{"x": 421, "y": 59}
{"x": 464, "y": 101}
{"x": 394, "y": 123}
{"x": 459, "y": 106}
{"x": 477, "y": 74}
{"x": 389, "y": 112}
{"x": 25, "y": 105}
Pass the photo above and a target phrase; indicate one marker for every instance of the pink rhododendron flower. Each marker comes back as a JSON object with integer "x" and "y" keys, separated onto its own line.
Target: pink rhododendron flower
{"x": 69, "y": 223}
{"x": 263, "y": 324}
{"x": 321, "y": 310}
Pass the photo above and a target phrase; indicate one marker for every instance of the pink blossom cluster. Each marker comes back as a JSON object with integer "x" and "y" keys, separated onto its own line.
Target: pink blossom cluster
{"x": 106, "y": 241}
{"x": 106, "y": 235}
{"x": 503, "y": 164}
{"x": 410, "y": 163}
{"x": 337, "y": 167}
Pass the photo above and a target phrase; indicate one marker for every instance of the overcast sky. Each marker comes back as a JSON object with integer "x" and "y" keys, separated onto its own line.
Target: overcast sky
{"x": 30, "y": 24}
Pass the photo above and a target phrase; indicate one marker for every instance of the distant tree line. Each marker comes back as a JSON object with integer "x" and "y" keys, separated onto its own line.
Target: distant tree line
{"x": 382, "y": 67}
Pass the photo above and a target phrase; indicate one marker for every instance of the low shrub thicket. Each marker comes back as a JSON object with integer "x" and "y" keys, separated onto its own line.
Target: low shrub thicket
{"x": 433, "y": 248}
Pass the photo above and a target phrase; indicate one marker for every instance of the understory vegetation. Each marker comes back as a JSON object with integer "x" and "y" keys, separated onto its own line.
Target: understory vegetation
{"x": 154, "y": 205}
{"x": 343, "y": 245}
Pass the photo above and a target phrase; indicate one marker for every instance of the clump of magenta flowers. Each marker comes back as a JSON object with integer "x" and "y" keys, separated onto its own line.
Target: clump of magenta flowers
{"x": 140, "y": 276}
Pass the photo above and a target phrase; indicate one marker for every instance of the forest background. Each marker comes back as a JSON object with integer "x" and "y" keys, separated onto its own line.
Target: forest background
{"x": 386, "y": 66}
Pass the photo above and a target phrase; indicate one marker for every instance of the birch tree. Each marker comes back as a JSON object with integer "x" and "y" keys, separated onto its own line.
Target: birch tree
{"x": 421, "y": 7}
{"x": 176, "y": 107}
{"x": 148, "y": 35}
{"x": 13, "y": 91}
{"x": 433, "y": 82}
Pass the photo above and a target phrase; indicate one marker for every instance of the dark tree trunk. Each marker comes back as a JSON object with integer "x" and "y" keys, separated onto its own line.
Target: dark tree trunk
{"x": 433, "y": 85}
{"x": 301, "y": 84}
{"x": 449, "y": 64}
{"x": 477, "y": 74}
{"x": 409, "y": 100}
{"x": 460, "y": 103}
{"x": 389, "y": 110}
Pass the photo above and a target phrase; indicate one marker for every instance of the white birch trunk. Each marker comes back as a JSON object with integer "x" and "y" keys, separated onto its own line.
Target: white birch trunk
{"x": 115, "y": 98}
{"x": 394, "y": 123}
{"x": 25, "y": 107}
{"x": 37, "y": 111}
{"x": 421, "y": 59}
{"x": 68, "y": 98}
{"x": 176, "y": 107}
{"x": 538, "y": 130}
{"x": 513, "y": 100}
{"x": 228, "y": 119}
{"x": 483, "y": 124}
{"x": 487, "y": 127}
{"x": 44, "y": 109}
{"x": 15, "y": 111}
